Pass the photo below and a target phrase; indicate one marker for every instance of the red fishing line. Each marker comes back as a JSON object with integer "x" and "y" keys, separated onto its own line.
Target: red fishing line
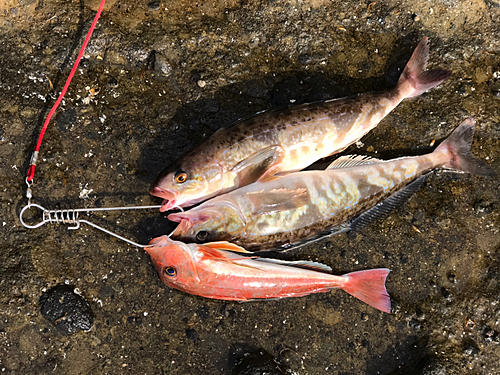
{"x": 31, "y": 170}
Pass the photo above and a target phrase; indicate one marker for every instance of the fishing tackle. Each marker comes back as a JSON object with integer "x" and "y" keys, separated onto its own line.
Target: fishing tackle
{"x": 71, "y": 217}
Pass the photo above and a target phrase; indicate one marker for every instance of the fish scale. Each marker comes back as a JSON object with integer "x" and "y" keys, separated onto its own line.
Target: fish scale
{"x": 286, "y": 140}
{"x": 287, "y": 210}
{"x": 211, "y": 271}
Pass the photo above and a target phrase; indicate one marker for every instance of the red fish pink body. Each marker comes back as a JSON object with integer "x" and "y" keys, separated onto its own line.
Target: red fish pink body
{"x": 212, "y": 271}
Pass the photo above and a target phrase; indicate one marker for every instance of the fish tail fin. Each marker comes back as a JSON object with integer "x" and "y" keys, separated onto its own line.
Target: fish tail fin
{"x": 369, "y": 287}
{"x": 458, "y": 146}
{"x": 415, "y": 80}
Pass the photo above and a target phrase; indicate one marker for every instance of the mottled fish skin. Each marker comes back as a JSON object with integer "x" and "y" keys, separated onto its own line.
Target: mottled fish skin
{"x": 286, "y": 140}
{"x": 333, "y": 197}
{"x": 301, "y": 205}
{"x": 211, "y": 271}
{"x": 307, "y": 132}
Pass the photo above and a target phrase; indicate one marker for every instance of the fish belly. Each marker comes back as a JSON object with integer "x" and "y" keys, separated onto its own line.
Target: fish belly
{"x": 247, "y": 281}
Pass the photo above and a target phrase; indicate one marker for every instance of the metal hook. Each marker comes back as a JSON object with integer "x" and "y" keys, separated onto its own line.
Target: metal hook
{"x": 180, "y": 209}
{"x": 70, "y": 216}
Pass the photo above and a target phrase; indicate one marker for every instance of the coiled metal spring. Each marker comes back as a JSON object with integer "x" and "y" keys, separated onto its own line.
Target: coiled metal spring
{"x": 62, "y": 217}
{"x": 71, "y": 217}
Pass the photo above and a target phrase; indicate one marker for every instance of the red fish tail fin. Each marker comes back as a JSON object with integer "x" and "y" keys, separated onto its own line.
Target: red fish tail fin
{"x": 415, "y": 80}
{"x": 458, "y": 146}
{"x": 369, "y": 287}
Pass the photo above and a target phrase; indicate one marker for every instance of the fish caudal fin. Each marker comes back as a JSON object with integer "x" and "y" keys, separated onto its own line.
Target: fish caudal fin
{"x": 369, "y": 287}
{"x": 415, "y": 80}
{"x": 458, "y": 146}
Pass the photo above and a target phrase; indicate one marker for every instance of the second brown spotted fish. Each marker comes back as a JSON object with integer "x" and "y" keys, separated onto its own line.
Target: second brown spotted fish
{"x": 286, "y": 140}
{"x": 299, "y": 206}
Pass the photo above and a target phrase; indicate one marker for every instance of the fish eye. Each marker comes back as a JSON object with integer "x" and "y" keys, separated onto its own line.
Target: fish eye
{"x": 180, "y": 177}
{"x": 202, "y": 236}
{"x": 170, "y": 271}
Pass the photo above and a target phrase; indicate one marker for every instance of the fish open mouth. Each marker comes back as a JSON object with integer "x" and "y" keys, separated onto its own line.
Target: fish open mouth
{"x": 169, "y": 201}
{"x": 184, "y": 224}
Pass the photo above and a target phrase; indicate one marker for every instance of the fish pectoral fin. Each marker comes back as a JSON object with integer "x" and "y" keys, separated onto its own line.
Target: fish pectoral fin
{"x": 225, "y": 245}
{"x": 352, "y": 161}
{"x": 382, "y": 209}
{"x": 270, "y": 175}
{"x": 306, "y": 264}
{"x": 278, "y": 200}
{"x": 256, "y": 165}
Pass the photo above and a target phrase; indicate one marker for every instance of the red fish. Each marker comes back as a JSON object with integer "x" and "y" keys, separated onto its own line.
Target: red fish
{"x": 214, "y": 270}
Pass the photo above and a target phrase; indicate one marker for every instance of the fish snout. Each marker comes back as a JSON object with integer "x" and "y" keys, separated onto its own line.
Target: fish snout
{"x": 167, "y": 195}
{"x": 159, "y": 242}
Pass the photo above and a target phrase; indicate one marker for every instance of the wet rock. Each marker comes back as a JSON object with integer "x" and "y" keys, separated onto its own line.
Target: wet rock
{"x": 489, "y": 334}
{"x": 483, "y": 206}
{"x": 395, "y": 71}
{"x": 252, "y": 56}
{"x": 112, "y": 82}
{"x": 68, "y": 311}
{"x": 470, "y": 348}
{"x": 162, "y": 65}
{"x": 257, "y": 363}
{"x": 452, "y": 278}
{"x": 191, "y": 334}
{"x": 66, "y": 119}
{"x": 154, "y": 5}
{"x": 445, "y": 293}
{"x": 304, "y": 59}
{"x": 415, "y": 324}
{"x": 203, "y": 312}
{"x": 134, "y": 320}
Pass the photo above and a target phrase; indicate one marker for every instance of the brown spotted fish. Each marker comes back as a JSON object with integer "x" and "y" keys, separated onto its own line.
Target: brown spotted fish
{"x": 352, "y": 192}
{"x": 286, "y": 140}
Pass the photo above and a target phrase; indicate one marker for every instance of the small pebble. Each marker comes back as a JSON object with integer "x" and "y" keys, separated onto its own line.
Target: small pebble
{"x": 154, "y": 5}
{"x": 257, "y": 363}
{"x": 201, "y": 83}
{"x": 191, "y": 334}
{"x": 112, "y": 82}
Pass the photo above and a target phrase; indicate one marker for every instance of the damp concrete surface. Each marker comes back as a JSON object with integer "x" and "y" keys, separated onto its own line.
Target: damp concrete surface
{"x": 157, "y": 79}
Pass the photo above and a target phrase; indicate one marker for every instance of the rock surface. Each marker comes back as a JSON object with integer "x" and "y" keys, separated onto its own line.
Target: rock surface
{"x": 68, "y": 311}
{"x": 158, "y": 78}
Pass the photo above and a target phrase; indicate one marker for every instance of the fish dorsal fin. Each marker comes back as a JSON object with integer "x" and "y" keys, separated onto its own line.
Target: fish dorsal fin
{"x": 314, "y": 266}
{"x": 256, "y": 165}
{"x": 220, "y": 255}
{"x": 214, "y": 253}
{"x": 352, "y": 161}
{"x": 382, "y": 209}
{"x": 225, "y": 245}
{"x": 278, "y": 200}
